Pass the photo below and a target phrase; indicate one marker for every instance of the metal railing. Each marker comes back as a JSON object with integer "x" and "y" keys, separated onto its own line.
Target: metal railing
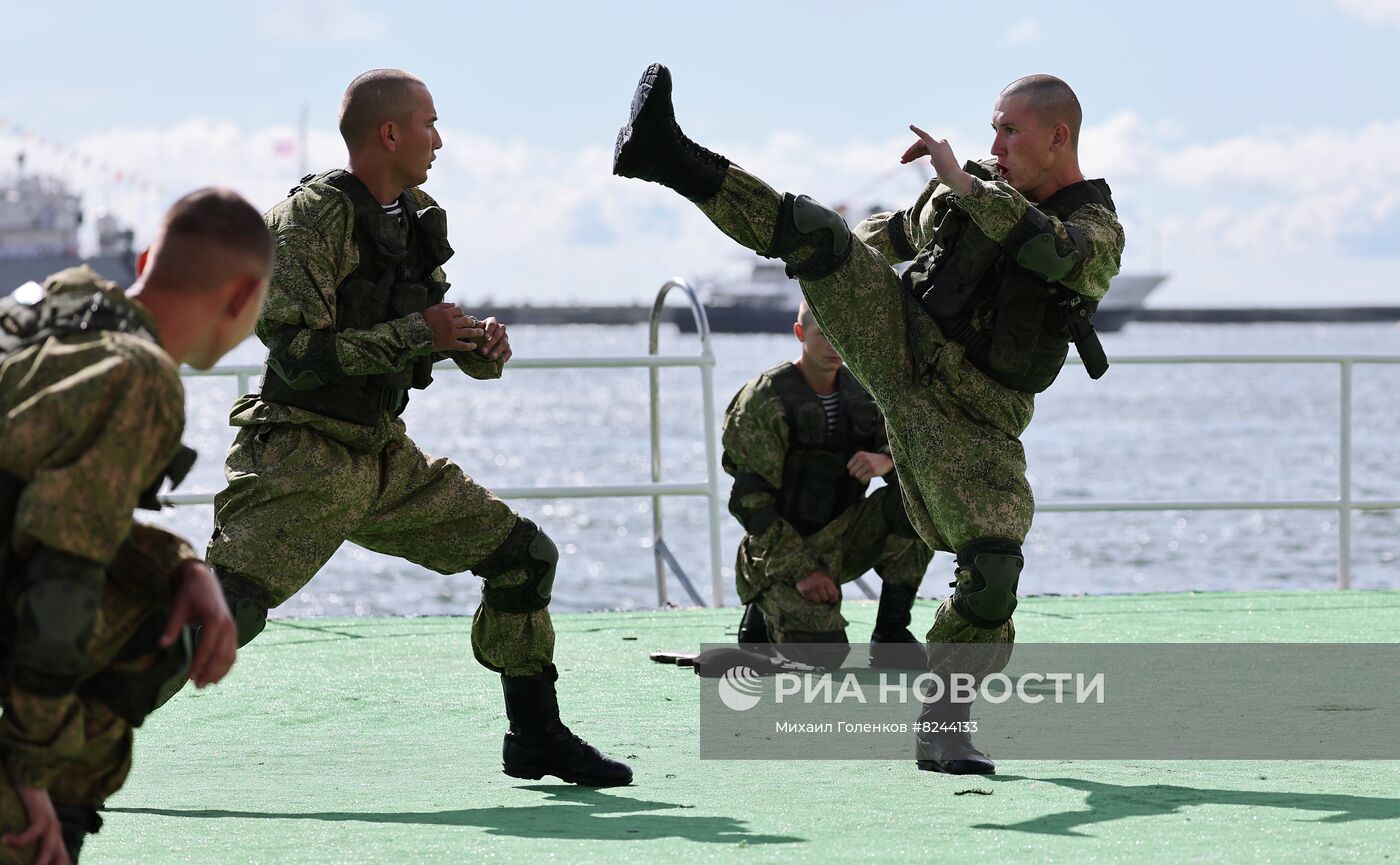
{"x": 656, "y": 490}
{"x": 1344, "y": 504}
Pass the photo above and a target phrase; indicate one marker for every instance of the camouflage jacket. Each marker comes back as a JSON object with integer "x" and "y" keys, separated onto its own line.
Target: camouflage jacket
{"x": 316, "y": 252}
{"x": 87, "y": 423}
{"x": 755, "y": 441}
{"x": 996, "y": 207}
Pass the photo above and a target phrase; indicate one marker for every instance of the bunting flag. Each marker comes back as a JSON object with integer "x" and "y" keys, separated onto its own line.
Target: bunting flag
{"x": 113, "y": 173}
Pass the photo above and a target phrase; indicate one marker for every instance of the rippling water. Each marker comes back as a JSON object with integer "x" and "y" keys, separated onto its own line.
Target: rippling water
{"x": 1142, "y": 432}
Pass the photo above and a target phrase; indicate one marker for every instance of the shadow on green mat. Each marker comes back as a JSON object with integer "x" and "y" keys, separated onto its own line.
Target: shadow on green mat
{"x": 575, "y": 812}
{"x": 1107, "y": 802}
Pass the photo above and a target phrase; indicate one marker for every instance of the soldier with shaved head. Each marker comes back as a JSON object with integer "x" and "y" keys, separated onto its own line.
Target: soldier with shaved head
{"x": 1009, "y": 257}
{"x": 98, "y": 610}
{"x": 355, "y": 320}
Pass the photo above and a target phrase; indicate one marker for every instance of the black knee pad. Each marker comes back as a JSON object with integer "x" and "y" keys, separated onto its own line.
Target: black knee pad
{"x": 525, "y": 548}
{"x": 56, "y": 610}
{"x": 815, "y": 235}
{"x": 989, "y": 570}
{"x": 248, "y": 602}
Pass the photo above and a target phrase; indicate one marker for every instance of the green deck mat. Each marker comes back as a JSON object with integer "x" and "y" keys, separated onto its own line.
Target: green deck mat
{"x": 378, "y": 741}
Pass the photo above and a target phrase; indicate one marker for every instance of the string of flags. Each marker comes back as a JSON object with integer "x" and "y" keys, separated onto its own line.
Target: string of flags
{"x": 115, "y": 173}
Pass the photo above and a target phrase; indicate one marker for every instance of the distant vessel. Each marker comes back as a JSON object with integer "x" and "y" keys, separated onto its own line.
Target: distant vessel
{"x": 767, "y": 301}
{"x": 39, "y": 222}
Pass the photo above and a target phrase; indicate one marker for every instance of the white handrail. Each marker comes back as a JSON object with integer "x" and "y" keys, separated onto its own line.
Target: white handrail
{"x": 1343, "y": 504}
{"x": 660, "y": 552}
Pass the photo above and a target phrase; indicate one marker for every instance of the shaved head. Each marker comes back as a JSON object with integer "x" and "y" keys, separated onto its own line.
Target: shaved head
{"x": 804, "y": 315}
{"x": 374, "y": 97}
{"x": 1052, "y": 100}
{"x": 207, "y": 238}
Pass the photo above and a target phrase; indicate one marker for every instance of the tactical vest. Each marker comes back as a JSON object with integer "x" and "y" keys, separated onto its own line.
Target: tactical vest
{"x": 1015, "y": 325}
{"x": 393, "y": 279}
{"x": 816, "y": 486}
{"x": 68, "y": 312}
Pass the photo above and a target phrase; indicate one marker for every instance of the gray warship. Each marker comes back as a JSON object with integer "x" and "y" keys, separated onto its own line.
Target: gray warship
{"x": 40, "y": 218}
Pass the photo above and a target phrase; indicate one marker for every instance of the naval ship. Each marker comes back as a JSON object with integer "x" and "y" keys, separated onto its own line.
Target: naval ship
{"x": 39, "y": 222}
{"x": 766, "y": 302}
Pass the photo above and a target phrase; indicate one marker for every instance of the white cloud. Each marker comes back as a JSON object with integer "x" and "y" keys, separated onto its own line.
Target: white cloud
{"x": 1373, "y": 11}
{"x": 1253, "y": 218}
{"x": 1236, "y": 204}
{"x": 321, "y": 21}
{"x": 1023, "y": 32}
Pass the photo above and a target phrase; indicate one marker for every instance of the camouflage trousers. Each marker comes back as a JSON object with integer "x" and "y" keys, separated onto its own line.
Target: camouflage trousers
{"x": 858, "y": 540}
{"x": 96, "y": 742}
{"x": 954, "y": 433}
{"x": 295, "y": 495}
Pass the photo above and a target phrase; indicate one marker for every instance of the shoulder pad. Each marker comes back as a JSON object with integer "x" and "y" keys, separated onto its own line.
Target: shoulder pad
{"x": 1033, "y": 244}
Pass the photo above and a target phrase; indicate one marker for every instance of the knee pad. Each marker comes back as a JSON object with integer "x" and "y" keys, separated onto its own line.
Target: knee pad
{"x": 525, "y": 548}
{"x": 247, "y": 601}
{"x": 55, "y": 613}
{"x": 989, "y": 570}
{"x": 816, "y": 235}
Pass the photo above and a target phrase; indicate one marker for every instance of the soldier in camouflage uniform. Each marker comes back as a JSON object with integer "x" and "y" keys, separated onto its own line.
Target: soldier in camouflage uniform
{"x": 1009, "y": 259}
{"x": 803, "y": 441}
{"x": 95, "y": 625}
{"x": 355, "y": 319}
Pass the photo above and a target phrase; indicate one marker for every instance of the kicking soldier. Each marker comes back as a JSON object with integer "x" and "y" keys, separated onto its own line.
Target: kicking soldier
{"x": 1009, "y": 260}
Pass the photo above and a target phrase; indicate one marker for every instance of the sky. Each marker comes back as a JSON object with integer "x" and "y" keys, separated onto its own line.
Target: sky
{"x": 1251, "y": 146}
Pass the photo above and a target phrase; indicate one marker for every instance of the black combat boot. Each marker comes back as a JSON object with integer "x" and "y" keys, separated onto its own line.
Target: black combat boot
{"x": 945, "y": 741}
{"x": 76, "y": 822}
{"x": 539, "y": 744}
{"x": 753, "y": 631}
{"x": 652, "y": 147}
{"x": 892, "y": 644}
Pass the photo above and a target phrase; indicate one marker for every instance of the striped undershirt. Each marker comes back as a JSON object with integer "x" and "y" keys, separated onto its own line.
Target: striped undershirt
{"x": 831, "y": 402}
{"x": 395, "y": 210}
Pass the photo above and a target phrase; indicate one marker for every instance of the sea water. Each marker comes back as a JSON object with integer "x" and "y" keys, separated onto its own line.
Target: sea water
{"x": 1180, "y": 432}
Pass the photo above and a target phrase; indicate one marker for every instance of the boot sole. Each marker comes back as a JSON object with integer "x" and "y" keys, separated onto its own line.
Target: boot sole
{"x": 581, "y": 780}
{"x": 936, "y": 766}
{"x": 656, "y": 75}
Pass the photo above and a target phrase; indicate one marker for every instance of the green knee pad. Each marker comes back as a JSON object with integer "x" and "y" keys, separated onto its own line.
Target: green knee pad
{"x": 247, "y": 601}
{"x": 815, "y": 235}
{"x": 56, "y": 610}
{"x": 525, "y": 548}
{"x": 989, "y": 570}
